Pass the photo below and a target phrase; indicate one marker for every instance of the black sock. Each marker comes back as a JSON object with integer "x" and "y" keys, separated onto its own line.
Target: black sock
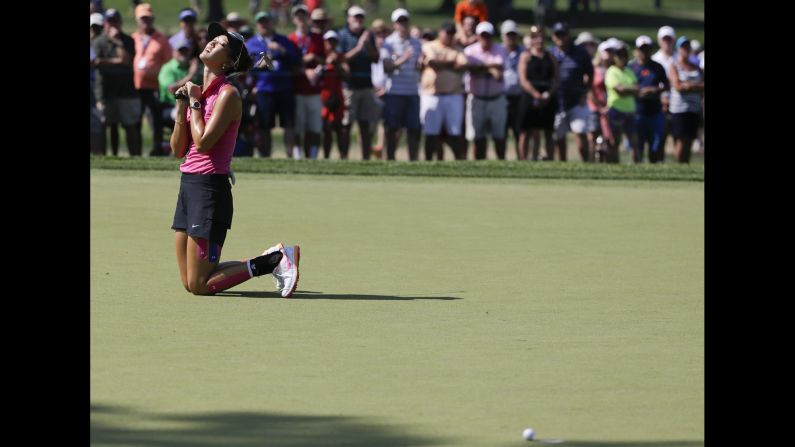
{"x": 262, "y": 265}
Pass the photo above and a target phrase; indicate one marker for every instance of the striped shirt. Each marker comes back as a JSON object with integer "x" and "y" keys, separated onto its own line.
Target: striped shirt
{"x": 406, "y": 78}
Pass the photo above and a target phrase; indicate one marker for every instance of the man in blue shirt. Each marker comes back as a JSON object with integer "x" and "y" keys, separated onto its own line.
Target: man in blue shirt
{"x": 273, "y": 89}
{"x": 649, "y": 117}
{"x": 358, "y": 46}
{"x": 576, "y": 76}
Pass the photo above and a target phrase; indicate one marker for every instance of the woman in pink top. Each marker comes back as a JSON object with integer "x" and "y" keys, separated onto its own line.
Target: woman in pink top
{"x": 598, "y": 128}
{"x": 211, "y": 117}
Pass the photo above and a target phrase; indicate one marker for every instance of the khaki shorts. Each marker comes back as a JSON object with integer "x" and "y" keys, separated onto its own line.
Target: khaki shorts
{"x": 308, "y": 109}
{"x": 360, "y": 105}
{"x": 126, "y": 111}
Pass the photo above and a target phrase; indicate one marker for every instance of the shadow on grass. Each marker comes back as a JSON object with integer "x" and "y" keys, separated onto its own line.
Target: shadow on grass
{"x": 309, "y": 295}
{"x": 578, "y": 443}
{"x": 243, "y": 428}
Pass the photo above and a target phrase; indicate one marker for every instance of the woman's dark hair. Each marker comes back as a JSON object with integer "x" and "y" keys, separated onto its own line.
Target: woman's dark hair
{"x": 243, "y": 65}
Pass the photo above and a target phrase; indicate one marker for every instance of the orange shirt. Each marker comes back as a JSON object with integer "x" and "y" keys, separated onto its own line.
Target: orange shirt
{"x": 151, "y": 52}
{"x": 464, "y": 8}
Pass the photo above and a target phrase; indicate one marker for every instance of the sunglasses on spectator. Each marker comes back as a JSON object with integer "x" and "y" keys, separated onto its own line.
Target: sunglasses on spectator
{"x": 359, "y": 16}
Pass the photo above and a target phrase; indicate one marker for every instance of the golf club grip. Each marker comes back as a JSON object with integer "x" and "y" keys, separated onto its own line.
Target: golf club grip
{"x": 181, "y": 96}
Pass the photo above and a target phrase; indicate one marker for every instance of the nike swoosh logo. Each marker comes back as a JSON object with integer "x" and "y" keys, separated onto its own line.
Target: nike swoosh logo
{"x": 194, "y": 226}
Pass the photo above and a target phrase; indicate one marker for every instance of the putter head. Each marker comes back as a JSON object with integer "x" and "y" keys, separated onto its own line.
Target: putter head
{"x": 264, "y": 61}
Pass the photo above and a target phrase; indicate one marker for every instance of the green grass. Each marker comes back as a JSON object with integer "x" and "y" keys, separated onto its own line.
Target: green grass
{"x": 430, "y": 311}
{"x": 485, "y": 169}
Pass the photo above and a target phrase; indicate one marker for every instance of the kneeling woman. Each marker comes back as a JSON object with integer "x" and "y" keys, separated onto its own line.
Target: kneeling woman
{"x": 208, "y": 118}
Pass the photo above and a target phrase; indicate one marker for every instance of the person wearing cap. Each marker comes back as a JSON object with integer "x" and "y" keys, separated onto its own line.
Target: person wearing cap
{"x": 666, "y": 38}
{"x": 622, "y": 88}
{"x": 308, "y": 105}
{"x": 400, "y": 56}
{"x": 649, "y": 116}
{"x": 471, "y": 8}
{"x": 576, "y": 75}
{"x": 380, "y": 31}
{"x": 358, "y": 46}
{"x": 320, "y": 21}
{"x": 187, "y": 29}
{"x": 205, "y": 131}
{"x": 332, "y": 73}
{"x": 442, "y": 94}
{"x": 513, "y": 90}
{"x": 117, "y": 99}
{"x": 273, "y": 89}
{"x": 587, "y": 41}
{"x": 151, "y": 52}
{"x": 598, "y": 127}
{"x": 687, "y": 88}
{"x": 487, "y": 108}
{"x": 182, "y": 67}
{"x": 234, "y": 22}
{"x": 539, "y": 80}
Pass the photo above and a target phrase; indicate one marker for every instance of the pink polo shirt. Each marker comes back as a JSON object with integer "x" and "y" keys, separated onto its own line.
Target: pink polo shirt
{"x": 485, "y": 85}
{"x": 218, "y": 159}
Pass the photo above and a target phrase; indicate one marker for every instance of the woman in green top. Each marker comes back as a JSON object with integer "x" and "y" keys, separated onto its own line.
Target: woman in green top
{"x": 622, "y": 87}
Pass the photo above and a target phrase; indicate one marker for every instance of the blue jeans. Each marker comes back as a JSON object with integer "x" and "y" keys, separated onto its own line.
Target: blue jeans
{"x": 650, "y": 130}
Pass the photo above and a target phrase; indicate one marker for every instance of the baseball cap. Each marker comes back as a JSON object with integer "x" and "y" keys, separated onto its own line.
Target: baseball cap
{"x": 398, "y": 13}
{"x": 681, "y": 41}
{"x": 614, "y": 44}
{"x": 318, "y": 14}
{"x": 299, "y": 7}
{"x": 112, "y": 13}
{"x": 508, "y": 26}
{"x": 695, "y": 45}
{"x": 261, "y": 15}
{"x": 666, "y": 31}
{"x": 484, "y": 27}
{"x": 355, "y": 11}
{"x": 585, "y": 37}
{"x": 233, "y": 17}
{"x": 180, "y": 41}
{"x": 236, "y": 41}
{"x": 187, "y": 13}
{"x": 560, "y": 28}
{"x": 144, "y": 10}
{"x": 97, "y": 19}
{"x": 331, "y": 34}
{"x": 643, "y": 40}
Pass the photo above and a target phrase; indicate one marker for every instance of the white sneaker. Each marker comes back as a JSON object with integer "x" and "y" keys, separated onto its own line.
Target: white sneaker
{"x": 287, "y": 270}
{"x": 297, "y": 153}
{"x": 277, "y": 279}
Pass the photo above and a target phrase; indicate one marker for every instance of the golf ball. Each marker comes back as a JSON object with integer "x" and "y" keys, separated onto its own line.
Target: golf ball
{"x": 529, "y": 434}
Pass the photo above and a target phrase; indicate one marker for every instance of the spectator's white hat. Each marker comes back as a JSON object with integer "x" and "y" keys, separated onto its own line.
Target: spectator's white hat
{"x": 643, "y": 40}
{"x": 398, "y": 13}
{"x": 666, "y": 31}
{"x": 97, "y": 19}
{"x": 614, "y": 44}
{"x": 331, "y": 34}
{"x": 695, "y": 45}
{"x": 508, "y": 26}
{"x": 355, "y": 11}
{"x": 233, "y": 17}
{"x": 584, "y": 37}
{"x": 484, "y": 27}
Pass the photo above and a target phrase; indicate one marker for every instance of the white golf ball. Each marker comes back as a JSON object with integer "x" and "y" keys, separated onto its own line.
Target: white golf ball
{"x": 529, "y": 434}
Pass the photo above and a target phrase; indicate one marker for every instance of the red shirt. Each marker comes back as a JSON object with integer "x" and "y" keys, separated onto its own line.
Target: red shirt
{"x": 312, "y": 43}
{"x": 479, "y": 10}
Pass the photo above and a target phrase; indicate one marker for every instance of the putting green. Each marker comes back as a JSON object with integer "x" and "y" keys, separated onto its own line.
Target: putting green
{"x": 451, "y": 312}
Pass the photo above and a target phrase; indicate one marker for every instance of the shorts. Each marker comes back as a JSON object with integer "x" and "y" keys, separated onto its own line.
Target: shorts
{"x": 486, "y": 116}
{"x": 531, "y": 116}
{"x": 620, "y": 122}
{"x": 438, "y": 110}
{"x": 204, "y": 206}
{"x": 402, "y": 111}
{"x": 270, "y": 104}
{"x": 574, "y": 120}
{"x": 308, "y": 114}
{"x": 685, "y": 124}
{"x": 126, "y": 111}
{"x": 360, "y": 105}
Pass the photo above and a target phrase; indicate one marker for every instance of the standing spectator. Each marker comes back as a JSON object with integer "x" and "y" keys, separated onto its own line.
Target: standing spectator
{"x": 576, "y": 73}
{"x": 187, "y": 30}
{"x": 358, "y": 46}
{"x": 320, "y": 21}
{"x": 587, "y": 41}
{"x": 622, "y": 88}
{"x": 151, "y": 52}
{"x": 665, "y": 56}
{"x": 118, "y": 100}
{"x": 174, "y": 74}
{"x": 539, "y": 78}
{"x": 442, "y": 88}
{"x": 308, "y": 120}
{"x": 273, "y": 88}
{"x": 466, "y": 35}
{"x": 598, "y": 127}
{"x": 649, "y": 117}
{"x": 513, "y": 90}
{"x": 234, "y": 22}
{"x": 487, "y": 107}
{"x": 473, "y": 8}
{"x": 401, "y": 55}
{"x": 333, "y": 72}
{"x": 378, "y": 77}
{"x": 687, "y": 86}
{"x": 97, "y": 137}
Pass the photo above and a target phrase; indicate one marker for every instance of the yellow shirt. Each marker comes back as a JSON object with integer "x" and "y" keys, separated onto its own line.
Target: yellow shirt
{"x": 614, "y": 77}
